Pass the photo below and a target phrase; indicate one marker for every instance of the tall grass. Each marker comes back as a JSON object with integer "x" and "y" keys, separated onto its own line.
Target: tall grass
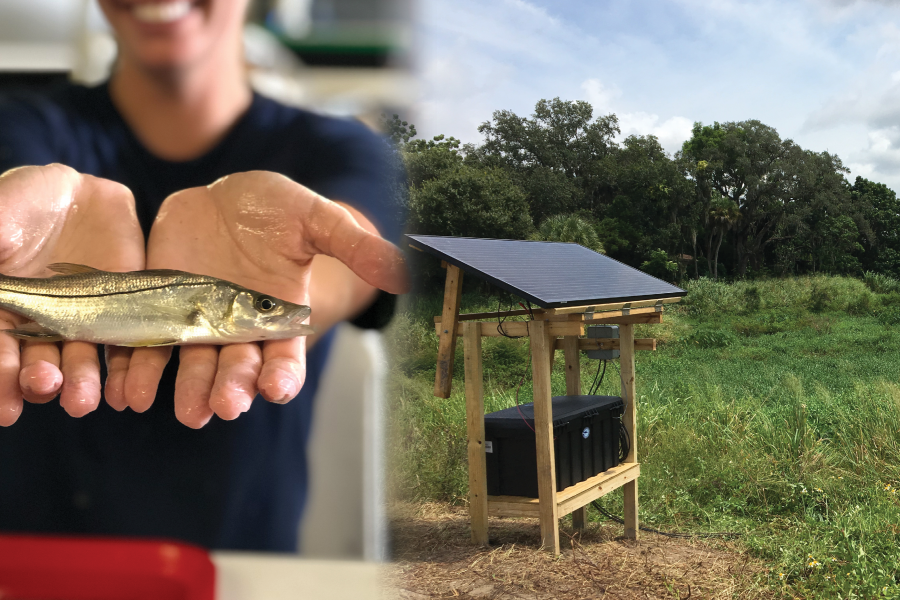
{"x": 771, "y": 408}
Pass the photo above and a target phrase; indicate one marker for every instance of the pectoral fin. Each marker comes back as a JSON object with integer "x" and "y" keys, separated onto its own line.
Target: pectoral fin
{"x": 70, "y": 268}
{"x": 34, "y": 332}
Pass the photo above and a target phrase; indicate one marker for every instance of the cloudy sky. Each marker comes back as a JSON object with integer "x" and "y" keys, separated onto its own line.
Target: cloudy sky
{"x": 825, "y": 73}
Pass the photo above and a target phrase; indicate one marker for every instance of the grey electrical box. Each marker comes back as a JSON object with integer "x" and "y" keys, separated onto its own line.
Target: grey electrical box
{"x": 603, "y": 332}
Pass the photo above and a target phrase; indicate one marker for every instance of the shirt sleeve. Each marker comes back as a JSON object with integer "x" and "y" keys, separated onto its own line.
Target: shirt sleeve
{"x": 362, "y": 169}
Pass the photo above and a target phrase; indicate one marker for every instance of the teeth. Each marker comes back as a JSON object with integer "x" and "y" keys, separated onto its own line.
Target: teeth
{"x": 164, "y": 12}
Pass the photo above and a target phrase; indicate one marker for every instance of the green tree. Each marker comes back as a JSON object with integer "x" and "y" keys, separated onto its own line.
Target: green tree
{"x": 651, "y": 200}
{"x": 399, "y": 131}
{"x": 882, "y": 211}
{"x": 559, "y": 156}
{"x": 748, "y": 163}
{"x": 471, "y": 202}
{"x": 570, "y": 228}
{"x": 431, "y": 159}
{"x": 722, "y": 216}
{"x": 660, "y": 266}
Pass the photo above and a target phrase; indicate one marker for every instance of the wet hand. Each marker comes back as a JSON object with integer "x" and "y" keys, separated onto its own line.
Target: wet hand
{"x": 54, "y": 214}
{"x": 268, "y": 233}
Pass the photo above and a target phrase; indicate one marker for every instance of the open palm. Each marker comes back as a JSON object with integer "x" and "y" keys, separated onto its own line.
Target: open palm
{"x": 54, "y": 214}
{"x": 260, "y": 230}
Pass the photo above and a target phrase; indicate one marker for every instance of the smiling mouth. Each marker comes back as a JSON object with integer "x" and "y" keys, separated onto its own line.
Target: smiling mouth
{"x": 161, "y": 12}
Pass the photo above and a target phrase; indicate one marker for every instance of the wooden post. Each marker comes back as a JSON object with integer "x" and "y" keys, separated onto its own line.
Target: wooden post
{"x": 573, "y": 388}
{"x": 443, "y": 378}
{"x": 478, "y": 501}
{"x": 626, "y": 365}
{"x": 543, "y": 426}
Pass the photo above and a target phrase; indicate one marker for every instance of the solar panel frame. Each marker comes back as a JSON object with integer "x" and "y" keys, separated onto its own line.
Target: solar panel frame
{"x": 456, "y": 251}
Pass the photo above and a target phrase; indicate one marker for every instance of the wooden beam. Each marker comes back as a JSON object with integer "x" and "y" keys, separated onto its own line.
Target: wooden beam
{"x": 543, "y": 426}
{"x": 478, "y": 503}
{"x": 626, "y": 368}
{"x": 573, "y": 388}
{"x": 493, "y": 316}
{"x": 569, "y": 345}
{"x": 609, "y": 344}
{"x": 632, "y": 319}
{"x": 578, "y": 495}
{"x": 613, "y": 306}
{"x": 583, "y": 493}
{"x": 521, "y": 328}
{"x": 443, "y": 377}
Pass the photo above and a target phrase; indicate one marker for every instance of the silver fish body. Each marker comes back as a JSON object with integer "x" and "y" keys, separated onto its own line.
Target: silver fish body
{"x": 146, "y": 308}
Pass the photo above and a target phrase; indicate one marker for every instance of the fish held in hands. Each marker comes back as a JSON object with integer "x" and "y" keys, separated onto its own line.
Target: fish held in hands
{"x": 158, "y": 307}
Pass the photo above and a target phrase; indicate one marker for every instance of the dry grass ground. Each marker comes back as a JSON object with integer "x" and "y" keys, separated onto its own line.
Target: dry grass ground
{"x": 434, "y": 558}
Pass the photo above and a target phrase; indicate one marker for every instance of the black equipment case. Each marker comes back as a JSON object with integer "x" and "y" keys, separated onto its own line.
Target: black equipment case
{"x": 585, "y": 442}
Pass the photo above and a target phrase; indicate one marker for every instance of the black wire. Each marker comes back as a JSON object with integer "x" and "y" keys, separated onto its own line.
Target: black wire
{"x": 595, "y": 386}
{"x": 612, "y": 517}
{"x": 500, "y": 321}
{"x": 624, "y": 442}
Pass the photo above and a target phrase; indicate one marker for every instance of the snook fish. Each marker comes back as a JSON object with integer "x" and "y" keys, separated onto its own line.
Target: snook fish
{"x": 146, "y": 308}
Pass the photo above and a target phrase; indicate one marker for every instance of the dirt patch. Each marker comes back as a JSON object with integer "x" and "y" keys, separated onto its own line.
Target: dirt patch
{"x": 434, "y": 558}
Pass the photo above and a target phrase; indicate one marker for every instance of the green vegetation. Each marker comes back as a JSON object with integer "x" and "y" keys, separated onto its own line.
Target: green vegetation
{"x": 771, "y": 408}
{"x": 736, "y": 200}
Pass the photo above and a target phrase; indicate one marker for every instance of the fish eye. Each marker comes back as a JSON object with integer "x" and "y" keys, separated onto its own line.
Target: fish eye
{"x": 265, "y": 304}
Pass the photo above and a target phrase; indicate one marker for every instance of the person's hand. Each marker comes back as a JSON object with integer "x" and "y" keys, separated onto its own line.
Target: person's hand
{"x": 54, "y": 214}
{"x": 260, "y": 230}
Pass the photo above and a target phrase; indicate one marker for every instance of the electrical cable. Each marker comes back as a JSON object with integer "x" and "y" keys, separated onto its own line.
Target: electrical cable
{"x": 595, "y": 386}
{"x": 624, "y": 442}
{"x": 612, "y": 517}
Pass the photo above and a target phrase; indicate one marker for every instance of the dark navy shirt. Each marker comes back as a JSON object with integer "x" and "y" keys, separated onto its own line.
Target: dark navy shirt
{"x": 233, "y": 484}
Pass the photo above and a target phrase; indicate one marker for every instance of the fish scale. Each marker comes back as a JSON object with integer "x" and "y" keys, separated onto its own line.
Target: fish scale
{"x": 146, "y": 308}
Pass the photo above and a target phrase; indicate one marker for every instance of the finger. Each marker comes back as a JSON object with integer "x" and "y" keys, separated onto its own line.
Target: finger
{"x": 117, "y": 359}
{"x": 236, "y": 377}
{"x": 333, "y": 230}
{"x": 283, "y": 370}
{"x": 80, "y": 366}
{"x": 196, "y": 375}
{"x": 40, "y": 378}
{"x": 144, "y": 372}
{"x": 10, "y": 393}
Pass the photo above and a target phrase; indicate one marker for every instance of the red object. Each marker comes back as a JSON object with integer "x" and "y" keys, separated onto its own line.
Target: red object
{"x": 50, "y": 568}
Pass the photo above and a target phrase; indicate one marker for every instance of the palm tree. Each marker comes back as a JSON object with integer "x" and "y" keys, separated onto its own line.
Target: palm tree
{"x": 570, "y": 228}
{"x": 723, "y": 214}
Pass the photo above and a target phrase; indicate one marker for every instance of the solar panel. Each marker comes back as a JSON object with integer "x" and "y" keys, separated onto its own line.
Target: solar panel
{"x": 549, "y": 274}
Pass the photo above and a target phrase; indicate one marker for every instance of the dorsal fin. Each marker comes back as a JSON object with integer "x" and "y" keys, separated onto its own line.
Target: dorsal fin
{"x": 70, "y": 268}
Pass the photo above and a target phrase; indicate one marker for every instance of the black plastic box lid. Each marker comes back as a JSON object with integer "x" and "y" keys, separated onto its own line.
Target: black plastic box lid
{"x": 565, "y": 408}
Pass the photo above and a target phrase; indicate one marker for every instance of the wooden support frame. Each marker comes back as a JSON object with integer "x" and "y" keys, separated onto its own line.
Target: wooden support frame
{"x": 443, "y": 377}
{"x": 546, "y": 335}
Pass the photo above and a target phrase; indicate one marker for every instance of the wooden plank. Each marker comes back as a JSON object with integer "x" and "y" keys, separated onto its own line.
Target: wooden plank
{"x": 521, "y": 328}
{"x": 443, "y": 377}
{"x": 478, "y": 503}
{"x": 630, "y": 497}
{"x": 569, "y": 346}
{"x": 609, "y": 344}
{"x": 613, "y": 306}
{"x": 578, "y": 518}
{"x": 498, "y": 506}
{"x": 493, "y": 316}
{"x": 628, "y": 320}
{"x": 543, "y": 426}
{"x": 573, "y": 388}
{"x": 580, "y": 494}
{"x": 629, "y": 418}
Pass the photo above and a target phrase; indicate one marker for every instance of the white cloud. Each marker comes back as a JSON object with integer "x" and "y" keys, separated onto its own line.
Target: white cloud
{"x": 600, "y": 96}
{"x": 825, "y": 73}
